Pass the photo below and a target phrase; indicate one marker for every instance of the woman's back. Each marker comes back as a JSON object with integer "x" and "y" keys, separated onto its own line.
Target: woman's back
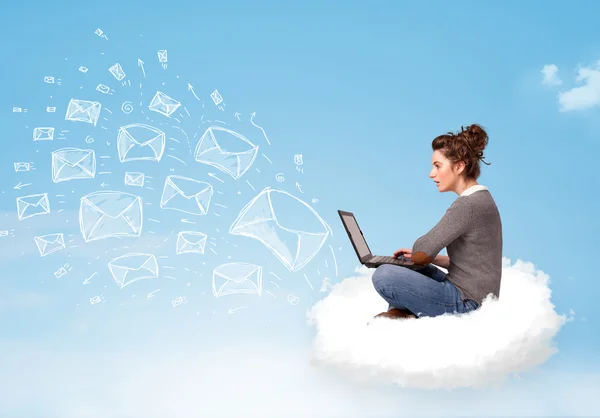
{"x": 476, "y": 255}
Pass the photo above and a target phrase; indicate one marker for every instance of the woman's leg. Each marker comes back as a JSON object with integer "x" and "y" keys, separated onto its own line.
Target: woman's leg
{"x": 418, "y": 293}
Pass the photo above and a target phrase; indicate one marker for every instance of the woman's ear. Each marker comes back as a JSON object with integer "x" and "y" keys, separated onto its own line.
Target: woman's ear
{"x": 459, "y": 167}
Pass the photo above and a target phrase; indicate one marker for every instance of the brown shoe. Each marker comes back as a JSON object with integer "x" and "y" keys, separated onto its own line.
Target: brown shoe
{"x": 396, "y": 313}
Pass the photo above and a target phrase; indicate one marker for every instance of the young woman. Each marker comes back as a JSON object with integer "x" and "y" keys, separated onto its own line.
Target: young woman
{"x": 471, "y": 231}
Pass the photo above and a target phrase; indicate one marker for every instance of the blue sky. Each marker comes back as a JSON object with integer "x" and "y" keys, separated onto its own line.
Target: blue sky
{"x": 359, "y": 90}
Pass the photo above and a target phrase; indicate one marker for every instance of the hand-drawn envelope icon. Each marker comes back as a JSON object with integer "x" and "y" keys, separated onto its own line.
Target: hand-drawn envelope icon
{"x": 21, "y": 166}
{"x": 186, "y": 195}
{"x": 209, "y": 151}
{"x": 292, "y": 245}
{"x": 232, "y": 278}
{"x": 138, "y": 142}
{"x": 162, "y": 55}
{"x": 73, "y": 163}
{"x": 49, "y": 79}
{"x": 51, "y": 243}
{"x": 32, "y": 205}
{"x": 190, "y": 242}
{"x": 110, "y": 214}
{"x": 117, "y": 71}
{"x": 83, "y": 111}
{"x": 163, "y": 104}
{"x": 132, "y": 267}
{"x": 134, "y": 179}
{"x": 43, "y": 134}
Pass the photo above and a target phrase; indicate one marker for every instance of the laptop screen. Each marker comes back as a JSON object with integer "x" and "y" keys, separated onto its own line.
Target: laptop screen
{"x": 356, "y": 236}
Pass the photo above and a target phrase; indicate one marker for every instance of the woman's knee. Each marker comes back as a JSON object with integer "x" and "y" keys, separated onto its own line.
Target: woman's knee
{"x": 384, "y": 274}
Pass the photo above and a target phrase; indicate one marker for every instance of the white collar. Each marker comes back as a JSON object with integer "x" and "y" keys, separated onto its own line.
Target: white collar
{"x": 473, "y": 189}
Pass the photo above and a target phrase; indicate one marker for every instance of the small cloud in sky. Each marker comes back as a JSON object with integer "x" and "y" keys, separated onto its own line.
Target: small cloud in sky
{"x": 550, "y": 72}
{"x": 584, "y": 96}
{"x": 507, "y": 335}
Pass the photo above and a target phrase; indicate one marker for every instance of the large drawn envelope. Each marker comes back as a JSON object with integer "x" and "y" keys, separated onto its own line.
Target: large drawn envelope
{"x": 163, "y": 104}
{"x": 83, "y": 111}
{"x": 132, "y": 267}
{"x": 43, "y": 134}
{"x": 110, "y": 214}
{"x": 186, "y": 195}
{"x": 51, "y": 243}
{"x": 236, "y": 278}
{"x": 73, "y": 163}
{"x": 293, "y": 245}
{"x": 209, "y": 151}
{"x": 138, "y": 142}
{"x": 32, "y": 205}
{"x": 190, "y": 242}
{"x": 162, "y": 55}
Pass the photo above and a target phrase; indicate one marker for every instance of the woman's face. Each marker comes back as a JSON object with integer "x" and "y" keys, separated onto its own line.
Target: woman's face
{"x": 442, "y": 173}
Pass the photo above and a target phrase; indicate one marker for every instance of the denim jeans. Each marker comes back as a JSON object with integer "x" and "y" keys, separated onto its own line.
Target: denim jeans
{"x": 426, "y": 292}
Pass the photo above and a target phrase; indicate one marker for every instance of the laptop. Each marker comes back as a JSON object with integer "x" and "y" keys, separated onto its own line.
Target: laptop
{"x": 362, "y": 248}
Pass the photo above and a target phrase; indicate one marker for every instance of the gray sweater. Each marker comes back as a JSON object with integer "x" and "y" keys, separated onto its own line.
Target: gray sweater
{"x": 471, "y": 231}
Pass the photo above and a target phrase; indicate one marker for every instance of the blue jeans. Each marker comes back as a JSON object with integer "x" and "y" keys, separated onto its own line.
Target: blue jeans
{"x": 425, "y": 292}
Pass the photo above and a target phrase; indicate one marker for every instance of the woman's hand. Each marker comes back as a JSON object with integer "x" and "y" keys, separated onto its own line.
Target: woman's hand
{"x": 406, "y": 252}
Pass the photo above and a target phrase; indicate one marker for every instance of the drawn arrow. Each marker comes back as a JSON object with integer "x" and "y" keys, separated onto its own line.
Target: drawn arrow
{"x": 141, "y": 64}
{"x": 235, "y": 309}
{"x": 298, "y": 186}
{"x": 151, "y": 294}
{"x": 21, "y": 185}
{"x": 104, "y": 184}
{"x": 87, "y": 281}
{"x": 237, "y": 115}
{"x": 191, "y": 88}
{"x": 263, "y": 131}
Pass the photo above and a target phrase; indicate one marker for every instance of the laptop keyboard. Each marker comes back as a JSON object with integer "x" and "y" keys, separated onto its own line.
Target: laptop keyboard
{"x": 389, "y": 260}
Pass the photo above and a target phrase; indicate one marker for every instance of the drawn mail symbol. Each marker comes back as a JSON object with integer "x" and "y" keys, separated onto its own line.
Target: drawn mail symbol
{"x": 102, "y": 88}
{"x": 110, "y": 214}
{"x": 190, "y": 242}
{"x": 73, "y": 163}
{"x": 83, "y": 111}
{"x": 162, "y": 55}
{"x": 60, "y": 272}
{"x": 186, "y": 195}
{"x": 209, "y": 151}
{"x": 134, "y": 179}
{"x": 51, "y": 243}
{"x": 293, "y": 246}
{"x": 163, "y": 104}
{"x": 43, "y": 134}
{"x": 49, "y": 79}
{"x": 216, "y": 97}
{"x": 132, "y": 267}
{"x": 117, "y": 71}
{"x": 140, "y": 142}
{"x": 19, "y": 166}
{"x": 32, "y": 205}
{"x": 236, "y": 278}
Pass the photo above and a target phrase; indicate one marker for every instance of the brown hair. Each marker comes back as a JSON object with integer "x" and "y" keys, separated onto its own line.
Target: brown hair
{"x": 466, "y": 145}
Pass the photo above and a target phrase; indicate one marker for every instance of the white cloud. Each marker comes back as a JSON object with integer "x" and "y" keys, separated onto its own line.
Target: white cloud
{"x": 585, "y": 96}
{"x": 171, "y": 376}
{"x": 508, "y": 335}
{"x": 550, "y": 72}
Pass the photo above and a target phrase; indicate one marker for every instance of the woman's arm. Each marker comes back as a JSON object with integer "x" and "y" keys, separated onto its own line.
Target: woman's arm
{"x": 442, "y": 261}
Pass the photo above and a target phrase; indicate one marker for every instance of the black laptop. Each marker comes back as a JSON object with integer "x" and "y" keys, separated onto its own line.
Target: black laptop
{"x": 362, "y": 249}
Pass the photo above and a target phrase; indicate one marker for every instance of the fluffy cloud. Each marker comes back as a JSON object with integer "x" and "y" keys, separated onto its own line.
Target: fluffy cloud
{"x": 504, "y": 336}
{"x": 550, "y": 73}
{"x": 585, "y": 96}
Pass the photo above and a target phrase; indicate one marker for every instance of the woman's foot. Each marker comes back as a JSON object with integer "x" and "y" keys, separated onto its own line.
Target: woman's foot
{"x": 396, "y": 313}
